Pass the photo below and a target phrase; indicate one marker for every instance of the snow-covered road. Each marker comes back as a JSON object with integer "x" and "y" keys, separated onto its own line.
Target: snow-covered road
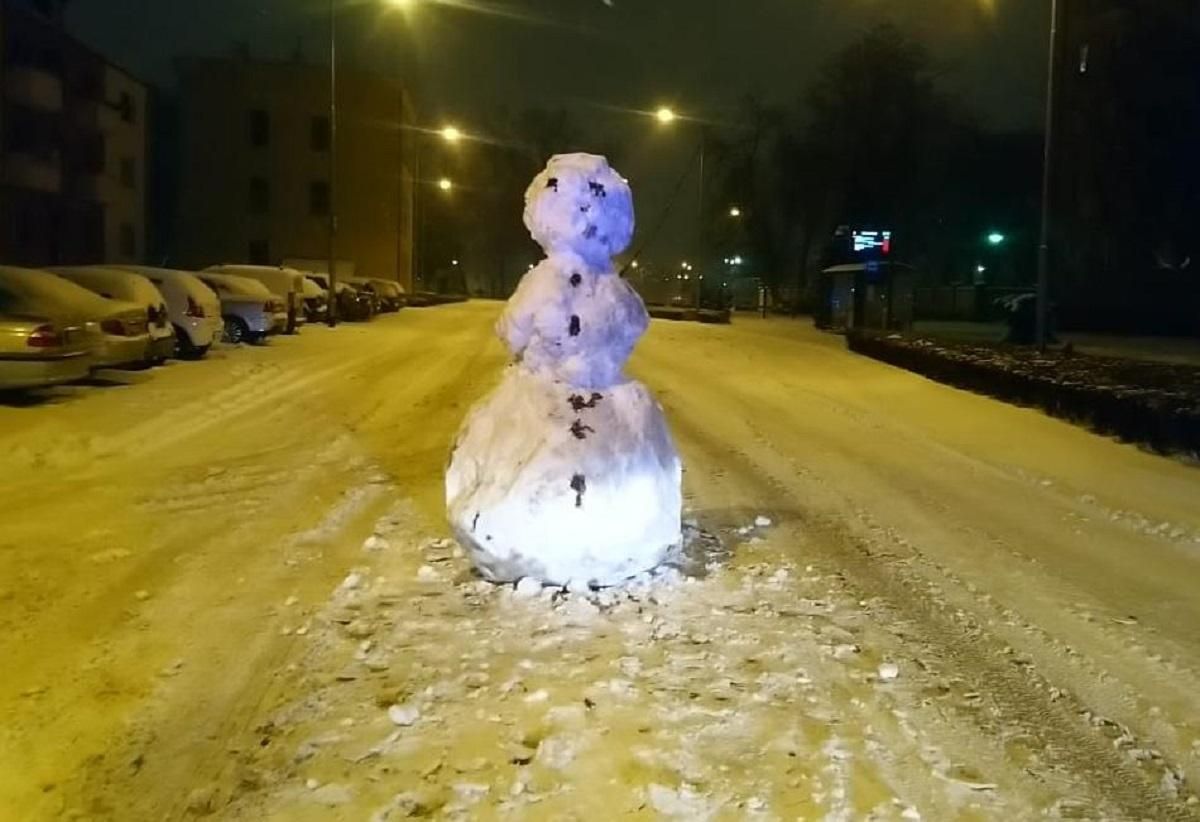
{"x": 960, "y": 609}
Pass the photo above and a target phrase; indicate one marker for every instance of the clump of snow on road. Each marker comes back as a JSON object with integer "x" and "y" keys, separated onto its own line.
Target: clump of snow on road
{"x": 461, "y": 697}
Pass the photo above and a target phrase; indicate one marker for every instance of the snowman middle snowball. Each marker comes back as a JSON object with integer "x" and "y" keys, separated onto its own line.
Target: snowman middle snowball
{"x": 567, "y": 473}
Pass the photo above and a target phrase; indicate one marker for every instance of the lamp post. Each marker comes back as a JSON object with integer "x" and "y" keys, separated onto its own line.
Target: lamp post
{"x": 331, "y": 314}
{"x": 1043, "y": 262}
{"x": 666, "y": 116}
{"x": 450, "y": 134}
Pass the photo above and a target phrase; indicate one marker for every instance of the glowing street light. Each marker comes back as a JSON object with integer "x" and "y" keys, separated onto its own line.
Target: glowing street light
{"x": 451, "y": 134}
{"x": 996, "y": 238}
{"x": 665, "y": 115}
{"x": 445, "y": 184}
{"x": 634, "y": 264}
{"x": 735, "y": 212}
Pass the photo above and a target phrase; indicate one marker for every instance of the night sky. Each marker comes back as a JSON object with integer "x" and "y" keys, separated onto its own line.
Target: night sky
{"x": 697, "y": 55}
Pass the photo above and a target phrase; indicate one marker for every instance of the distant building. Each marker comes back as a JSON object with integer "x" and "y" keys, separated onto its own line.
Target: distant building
{"x": 254, "y": 185}
{"x": 73, "y": 154}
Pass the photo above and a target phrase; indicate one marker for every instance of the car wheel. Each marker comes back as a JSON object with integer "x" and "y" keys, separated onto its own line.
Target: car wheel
{"x": 236, "y": 330}
{"x": 185, "y": 349}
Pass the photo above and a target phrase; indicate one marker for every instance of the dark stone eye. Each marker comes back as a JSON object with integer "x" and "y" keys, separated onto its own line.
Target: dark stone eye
{"x": 574, "y": 328}
{"x": 552, "y": 183}
{"x": 597, "y": 189}
{"x": 576, "y": 280}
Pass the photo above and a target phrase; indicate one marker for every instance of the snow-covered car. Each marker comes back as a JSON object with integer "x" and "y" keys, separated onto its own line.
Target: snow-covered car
{"x": 316, "y": 301}
{"x": 353, "y": 303}
{"x": 116, "y": 331}
{"x": 116, "y": 284}
{"x": 391, "y": 291}
{"x": 288, "y": 283}
{"x": 249, "y": 312}
{"x": 192, "y": 307}
{"x": 387, "y": 298}
{"x": 35, "y": 352}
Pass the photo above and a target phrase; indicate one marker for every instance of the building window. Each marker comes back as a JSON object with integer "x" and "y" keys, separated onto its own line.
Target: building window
{"x": 318, "y": 198}
{"x": 320, "y": 134}
{"x": 129, "y": 172}
{"x": 260, "y": 128}
{"x": 260, "y": 195}
{"x": 127, "y": 108}
{"x": 260, "y": 252}
{"x": 128, "y": 241}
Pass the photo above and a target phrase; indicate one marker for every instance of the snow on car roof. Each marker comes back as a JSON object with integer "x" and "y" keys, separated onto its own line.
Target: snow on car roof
{"x": 36, "y": 291}
{"x": 276, "y": 277}
{"x": 235, "y": 285}
{"x": 187, "y": 281}
{"x": 113, "y": 283}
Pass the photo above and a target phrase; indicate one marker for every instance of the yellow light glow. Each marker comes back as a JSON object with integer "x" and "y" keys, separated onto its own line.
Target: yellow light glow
{"x": 451, "y": 134}
{"x": 665, "y": 116}
{"x": 735, "y": 212}
{"x": 445, "y": 184}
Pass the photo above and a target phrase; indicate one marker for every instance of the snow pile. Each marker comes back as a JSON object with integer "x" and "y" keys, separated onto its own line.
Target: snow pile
{"x": 567, "y": 473}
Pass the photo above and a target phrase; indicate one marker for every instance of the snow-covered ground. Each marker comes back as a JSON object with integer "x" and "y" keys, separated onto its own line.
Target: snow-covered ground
{"x": 226, "y": 590}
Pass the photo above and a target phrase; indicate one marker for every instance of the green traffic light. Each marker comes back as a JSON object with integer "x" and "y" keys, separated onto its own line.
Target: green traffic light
{"x": 995, "y": 238}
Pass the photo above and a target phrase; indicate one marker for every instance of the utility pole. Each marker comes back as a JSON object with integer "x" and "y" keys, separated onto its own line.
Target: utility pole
{"x": 332, "y": 312}
{"x": 700, "y": 216}
{"x": 1043, "y": 262}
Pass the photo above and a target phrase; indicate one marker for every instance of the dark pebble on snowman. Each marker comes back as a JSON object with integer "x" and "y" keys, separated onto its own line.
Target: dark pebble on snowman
{"x": 578, "y": 403}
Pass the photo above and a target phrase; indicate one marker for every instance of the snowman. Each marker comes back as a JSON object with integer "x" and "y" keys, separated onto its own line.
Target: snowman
{"x": 567, "y": 473}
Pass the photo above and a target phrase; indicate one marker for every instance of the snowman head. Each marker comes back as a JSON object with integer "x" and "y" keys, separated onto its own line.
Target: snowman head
{"x": 578, "y": 204}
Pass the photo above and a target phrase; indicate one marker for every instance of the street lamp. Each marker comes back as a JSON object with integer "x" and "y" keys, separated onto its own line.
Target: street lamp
{"x": 450, "y": 134}
{"x": 445, "y": 184}
{"x": 666, "y": 116}
{"x": 996, "y": 238}
{"x": 735, "y": 212}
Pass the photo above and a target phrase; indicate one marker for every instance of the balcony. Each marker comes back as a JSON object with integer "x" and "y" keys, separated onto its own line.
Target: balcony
{"x": 96, "y": 187}
{"x": 95, "y": 115}
{"x": 33, "y": 173}
{"x": 34, "y": 87}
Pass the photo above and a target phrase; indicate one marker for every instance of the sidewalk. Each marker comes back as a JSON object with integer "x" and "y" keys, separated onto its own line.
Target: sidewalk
{"x": 1175, "y": 350}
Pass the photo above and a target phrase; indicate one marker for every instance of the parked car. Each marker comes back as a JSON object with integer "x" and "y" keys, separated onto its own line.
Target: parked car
{"x": 116, "y": 331}
{"x": 393, "y": 291}
{"x": 192, "y": 307}
{"x": 388, "y": 295}
{"x": 249, "y": 311}
{"x": 116, "y": 284}
{"x": 353, "y": 303}
{"x": 35, "y": 352}
{"x": 316, "y": 301}
{"x": 288, "y": 283}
